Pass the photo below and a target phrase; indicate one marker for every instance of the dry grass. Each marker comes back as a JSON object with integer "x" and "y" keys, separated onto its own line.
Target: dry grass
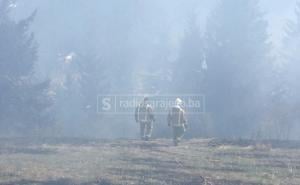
{"x": 103, "y": 162}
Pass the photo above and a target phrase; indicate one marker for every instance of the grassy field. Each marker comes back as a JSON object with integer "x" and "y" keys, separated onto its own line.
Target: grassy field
{"x": 117, "y": 162}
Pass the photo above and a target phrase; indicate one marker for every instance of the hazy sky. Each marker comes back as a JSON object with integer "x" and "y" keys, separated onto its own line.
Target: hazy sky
{"x": 277, "y": 12}
{"x": 64, "y": 19}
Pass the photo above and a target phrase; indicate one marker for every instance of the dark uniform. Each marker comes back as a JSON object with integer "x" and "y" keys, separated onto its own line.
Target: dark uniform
{"x": 177, "y": 119}
{"x": 144, "y": 115}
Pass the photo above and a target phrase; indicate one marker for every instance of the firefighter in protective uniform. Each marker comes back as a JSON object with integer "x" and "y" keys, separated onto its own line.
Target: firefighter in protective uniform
{"x": 144, "y": 115}
{"x": 177, "y": 120}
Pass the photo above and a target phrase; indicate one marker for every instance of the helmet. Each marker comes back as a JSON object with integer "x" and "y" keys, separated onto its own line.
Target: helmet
{"x": 146, "y": 98}
{"x": 178, "y": 101}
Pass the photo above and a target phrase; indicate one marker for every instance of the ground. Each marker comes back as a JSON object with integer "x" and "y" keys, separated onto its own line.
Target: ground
{"x": 157, "y": 162}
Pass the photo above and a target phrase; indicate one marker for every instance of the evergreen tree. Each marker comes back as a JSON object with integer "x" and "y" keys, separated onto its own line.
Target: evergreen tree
{"x": 237, "y": 54}
{"x": 291, "y": 55}
{"x": 24, "y": 104}
{"x": 286, "y": 100}
{"x": 187, "y": 73}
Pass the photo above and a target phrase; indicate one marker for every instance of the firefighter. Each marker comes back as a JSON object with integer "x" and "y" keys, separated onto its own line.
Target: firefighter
{"x": 145, "y": 117}
{"x": 177, "y": 120}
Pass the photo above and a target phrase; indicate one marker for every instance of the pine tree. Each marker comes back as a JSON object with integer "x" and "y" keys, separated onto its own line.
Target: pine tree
{"x": 24, "y": 104}
{"x": 285, "y": 97}
{"x": 291, "y": 54}
{"x": 237, "y": 54}
{"x": 187, "y": 73}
